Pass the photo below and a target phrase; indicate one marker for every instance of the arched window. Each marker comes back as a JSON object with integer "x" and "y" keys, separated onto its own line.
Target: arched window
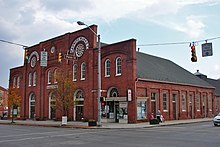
{"x": 74, "y": 72}
{"x": 14, "y": 82}
{"x": 79, "y": 105}
{"x": 18, "y": 82}
{"x": 31, "y": 106}
{"x": 79, "y": 95}
{"x": 49, "y": 76}
{"x": 55, "y": 76}
{"x": 83, "y": 71}
{"x": 29, "y": 79}
{"x": 114, "y": 92}
{"x": 34, "y": 78}
{"x": 118, "y": 66}
{"x": 107, "y": 68}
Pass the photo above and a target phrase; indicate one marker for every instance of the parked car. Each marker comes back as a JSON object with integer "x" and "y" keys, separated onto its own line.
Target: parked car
{"x": 216, "y": 120}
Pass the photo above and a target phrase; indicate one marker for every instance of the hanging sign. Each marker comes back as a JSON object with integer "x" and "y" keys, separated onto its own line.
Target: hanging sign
{"x": 43, "y": 59}
{"x": 207, "y": 49}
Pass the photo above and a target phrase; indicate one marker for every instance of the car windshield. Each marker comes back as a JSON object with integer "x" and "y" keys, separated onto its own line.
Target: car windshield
{"x": 218, "y": 114}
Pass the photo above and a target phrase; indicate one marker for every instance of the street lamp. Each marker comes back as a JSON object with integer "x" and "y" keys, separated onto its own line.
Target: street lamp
{"x": 99, "y": 72}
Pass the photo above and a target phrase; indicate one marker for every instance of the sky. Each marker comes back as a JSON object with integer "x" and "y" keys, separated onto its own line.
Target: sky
{"x": 29, "y": 22}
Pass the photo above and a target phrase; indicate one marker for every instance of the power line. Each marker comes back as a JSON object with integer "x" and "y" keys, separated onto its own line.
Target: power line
{"x": 178, "y": 43}
{"x": 24, "y": 46}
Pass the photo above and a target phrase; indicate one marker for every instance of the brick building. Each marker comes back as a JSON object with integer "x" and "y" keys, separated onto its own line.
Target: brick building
{"x": 134, "y": 84}
{"x": 3, "y": 101}
{"x": 215, "y": 83}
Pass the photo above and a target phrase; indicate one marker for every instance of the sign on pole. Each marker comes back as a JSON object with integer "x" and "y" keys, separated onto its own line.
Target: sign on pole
{"x": 43, "y": 59}
{"x": 129, "y": 95}
{"x": 207, "y": 49}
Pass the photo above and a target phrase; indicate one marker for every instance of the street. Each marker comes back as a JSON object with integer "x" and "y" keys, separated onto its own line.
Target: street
{"x": 187, "y": 135}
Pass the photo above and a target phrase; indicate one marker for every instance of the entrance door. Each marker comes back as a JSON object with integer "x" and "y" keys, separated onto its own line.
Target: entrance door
{"x": 117, "y": 112}
{"x": 79, "y": 113}
{"x": 174, "y": 110}
{"x": 153, "y": 107}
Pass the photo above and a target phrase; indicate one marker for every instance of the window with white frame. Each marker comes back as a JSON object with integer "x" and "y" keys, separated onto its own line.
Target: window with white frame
{"x": 165, "y": 102}
{"x": 18, "y": 82}
{"x": 74, "y": 72}
{"x": 55, "y": 76}
{"x": 107, "y": 68}
{"x": 183, "y": 102}
{"x": 118, "y": 66}
{"x": 83, "y": 71}
{"x": 34, "y": 78}
{"x": 29, "y": 79}
{"x": 49, "y": 77}
{"x": 14, "y": 82}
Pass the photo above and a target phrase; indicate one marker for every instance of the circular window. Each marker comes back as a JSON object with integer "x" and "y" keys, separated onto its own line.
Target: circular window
{"x": 52, "y": 50}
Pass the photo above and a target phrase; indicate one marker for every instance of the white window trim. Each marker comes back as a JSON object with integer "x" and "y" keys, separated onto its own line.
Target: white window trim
{"x": 48, "y": 77}
{"x": 82, "y": 71}
{"x": 29, "y": 79}
{"x": 184, "y": 109}
{"x": 18, "y": 82}
{"x": 34, "y": 78}
{"x": 118, "y": 74}
{"x": 14, "y": 82}
{"x": 106, "y": 75}
{"x": 167, "y": 103}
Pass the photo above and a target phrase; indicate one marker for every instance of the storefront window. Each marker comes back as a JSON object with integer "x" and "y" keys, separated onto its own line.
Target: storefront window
{"x": 108, "y": 110}
{"x": 141, "y": 110}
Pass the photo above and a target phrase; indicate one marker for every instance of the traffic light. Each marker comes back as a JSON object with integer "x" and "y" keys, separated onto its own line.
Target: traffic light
{"x": 102, "y": 99}
{"x": 27, "y": 52}
{"x": 193, "y": 51}
{"x": 60, "y": 57}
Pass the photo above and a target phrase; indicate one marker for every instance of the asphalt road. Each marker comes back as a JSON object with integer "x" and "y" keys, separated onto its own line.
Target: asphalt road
{"x": 187, "y": 135}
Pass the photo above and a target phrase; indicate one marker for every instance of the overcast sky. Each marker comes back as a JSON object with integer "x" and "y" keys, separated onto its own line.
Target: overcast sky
{"x": 29, "y": 22}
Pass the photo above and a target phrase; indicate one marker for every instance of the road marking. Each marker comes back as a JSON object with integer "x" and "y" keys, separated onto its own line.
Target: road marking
{"x": 50, "y": 136}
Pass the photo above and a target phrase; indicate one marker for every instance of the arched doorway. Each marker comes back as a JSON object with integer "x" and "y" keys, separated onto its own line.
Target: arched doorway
{"x": 31, "y": 106}
{"x": 79, "y": 105}
{"x": 52, "y": 106}
{"x": 111, "y": 107}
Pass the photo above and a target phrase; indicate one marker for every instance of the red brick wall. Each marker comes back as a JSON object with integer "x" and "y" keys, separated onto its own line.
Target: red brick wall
{"x": 178, "y": 89}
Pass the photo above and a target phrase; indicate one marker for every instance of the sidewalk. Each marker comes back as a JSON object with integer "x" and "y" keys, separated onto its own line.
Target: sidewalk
{"x": 74, "y": 124}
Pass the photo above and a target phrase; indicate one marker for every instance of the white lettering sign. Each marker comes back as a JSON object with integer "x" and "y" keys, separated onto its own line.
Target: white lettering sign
{"x": 32, "y": 54}
{"x": 79, "y": 45}
{"x": 207, "y": 49}
{"x": 43, "y": 59}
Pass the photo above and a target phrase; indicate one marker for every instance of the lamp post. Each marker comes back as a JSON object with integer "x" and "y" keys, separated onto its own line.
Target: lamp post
{"x": 99, "y": 72}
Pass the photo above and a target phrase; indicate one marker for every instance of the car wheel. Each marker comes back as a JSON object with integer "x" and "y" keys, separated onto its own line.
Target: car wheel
{"x": 215, "y": 124}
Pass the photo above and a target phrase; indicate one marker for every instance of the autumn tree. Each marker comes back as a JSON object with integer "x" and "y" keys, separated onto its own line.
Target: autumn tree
{"x": 64, "y": 92}
{"x": 14, "y": 100}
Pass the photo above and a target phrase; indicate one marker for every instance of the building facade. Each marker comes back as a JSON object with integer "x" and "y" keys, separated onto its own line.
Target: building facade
{"x": 3, "y": 101}
{"x": 133, "y": 84}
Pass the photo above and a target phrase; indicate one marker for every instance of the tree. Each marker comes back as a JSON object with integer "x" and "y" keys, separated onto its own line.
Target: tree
{"x": 14, "y": 100}
{"x": 65, "y": 91}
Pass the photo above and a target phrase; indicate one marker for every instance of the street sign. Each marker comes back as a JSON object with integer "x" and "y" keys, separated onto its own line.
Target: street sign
{"x": 129, "y": 95}
{"x": 43, "y": 59}
{"x": 207, "y": 49}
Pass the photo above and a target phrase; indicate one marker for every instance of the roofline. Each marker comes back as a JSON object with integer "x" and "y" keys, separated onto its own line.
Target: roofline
{"x": 150, "y": 80}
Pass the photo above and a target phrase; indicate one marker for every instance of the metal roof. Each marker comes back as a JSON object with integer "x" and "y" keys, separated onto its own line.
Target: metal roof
{"x": 159, "y": 69}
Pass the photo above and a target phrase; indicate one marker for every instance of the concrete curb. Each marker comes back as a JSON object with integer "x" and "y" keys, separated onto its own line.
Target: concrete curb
{"x": 105, "y": 126}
